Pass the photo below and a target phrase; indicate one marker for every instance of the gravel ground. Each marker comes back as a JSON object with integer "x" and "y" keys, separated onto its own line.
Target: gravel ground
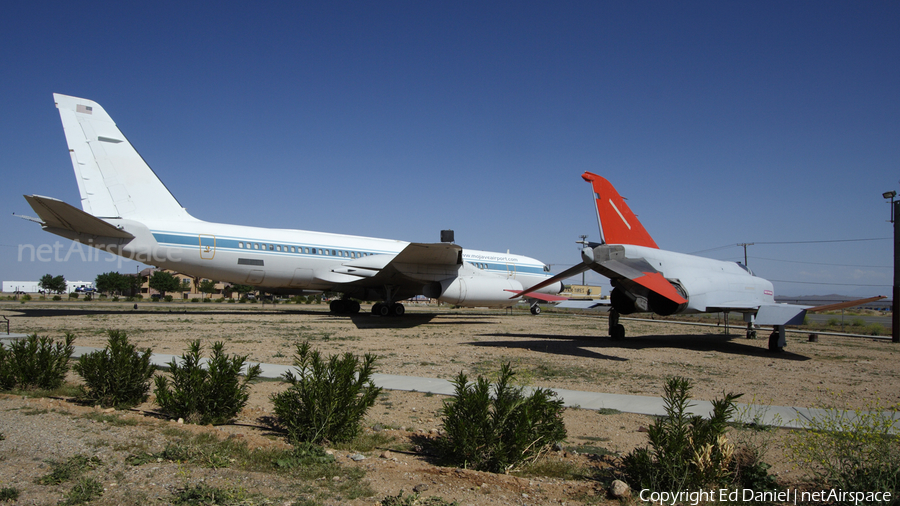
{"x": 557, "y": 350}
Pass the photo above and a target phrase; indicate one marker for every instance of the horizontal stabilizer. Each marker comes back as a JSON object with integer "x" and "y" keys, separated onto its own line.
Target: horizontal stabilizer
{"x": 55, "y": 213}
{"x": 539, "y": 296}
{"x": 568, "y": 273}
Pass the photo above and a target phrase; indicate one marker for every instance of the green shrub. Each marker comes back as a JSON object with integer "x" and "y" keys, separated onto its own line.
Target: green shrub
{"x": 326, "y": 400}
{"x": 7, "y": 377}
{"x": 84, "y": 491}
{"x": 502, "y": 432}
{"x": 9, "y": 494}
{"x": 686, "y": 452}
{"x": 167, "y": 298}
{"x": 57, "y": 297}
{"x": 35, "y": 362}
{"x": 117, "y": 375}
{"x": 26, "y": 297}
{"x": 854, "y": 451}
{"x": 212, "y": 394}
{"x": 73, "y": 295}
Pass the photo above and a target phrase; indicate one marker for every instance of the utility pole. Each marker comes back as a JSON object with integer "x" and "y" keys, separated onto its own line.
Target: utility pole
{"x": 895, "y": 291}
{"x": 745, "y": 244}
{"x": 583, "y": 243}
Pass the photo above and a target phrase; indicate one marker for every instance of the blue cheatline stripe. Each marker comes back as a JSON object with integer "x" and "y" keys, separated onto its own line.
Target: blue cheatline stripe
{"x": 230, "y": 243}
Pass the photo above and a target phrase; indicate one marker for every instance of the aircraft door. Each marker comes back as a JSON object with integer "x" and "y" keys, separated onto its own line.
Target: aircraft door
{"x": 207, "y": 246}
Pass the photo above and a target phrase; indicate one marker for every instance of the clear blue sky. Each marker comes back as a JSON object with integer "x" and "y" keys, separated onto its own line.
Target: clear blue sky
{"x": 721, "y": 122}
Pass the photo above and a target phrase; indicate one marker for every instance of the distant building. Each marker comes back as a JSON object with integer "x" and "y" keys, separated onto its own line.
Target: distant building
{"x": 193, "y": 290}
{"x": 581, "y": 291}
{"x": 35, "y": 286}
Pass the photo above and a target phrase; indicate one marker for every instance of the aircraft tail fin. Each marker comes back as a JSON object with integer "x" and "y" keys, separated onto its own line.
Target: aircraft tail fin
{"x": 113, "y": 179}
{"x": 618, "y": 225}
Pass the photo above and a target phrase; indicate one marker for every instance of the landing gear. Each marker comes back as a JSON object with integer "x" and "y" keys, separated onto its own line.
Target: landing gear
{"x": 616, "y": 329}
{"x": 388, "y": 309}
{"x": 751, "y": 332}
{"x": 535, "y": 310}
{"x": 344, "y": 306}
{"x": 777, "y": 340}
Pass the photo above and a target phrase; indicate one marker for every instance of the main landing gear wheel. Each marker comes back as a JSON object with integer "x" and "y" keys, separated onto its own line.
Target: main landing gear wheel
{"x": 342, "y": 306}
{"x": 535, "y": 310}
{"x": 773, "y": 342}
{"x": 616, "y": 329}
{"x": 388, "y": 309}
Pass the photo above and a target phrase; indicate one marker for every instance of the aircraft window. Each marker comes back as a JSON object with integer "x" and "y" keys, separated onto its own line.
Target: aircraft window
{"x": 292, "y": 249}
{"x": 277, "y": 248}
{"x": 333, "y": 253}
{"x": 346, "y": 254}
{"x": 255, "y": 245}
{"x": 306, "y": 249}
{"x": 240, "y": 245}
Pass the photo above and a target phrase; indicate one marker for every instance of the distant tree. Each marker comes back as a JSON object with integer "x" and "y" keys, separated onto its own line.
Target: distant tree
{"x": 207, "y": 286}
{"x": 112, "y": 282}
{"x": 134, "y": 282}
{"x": 243, "y": 290}
{"x": 163, "y": 282}
{"x": 51, "y": 283}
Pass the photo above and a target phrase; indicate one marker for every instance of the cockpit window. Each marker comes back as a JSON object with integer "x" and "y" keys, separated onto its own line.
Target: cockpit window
{"x": 742, "y": 266}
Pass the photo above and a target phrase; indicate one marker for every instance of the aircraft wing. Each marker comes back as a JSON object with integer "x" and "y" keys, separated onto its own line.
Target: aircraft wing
{"x": 57, "y": 214}
{"x": 417, "y": 262}
{"x": 843, "y": 305}
{"x": 640, "y": 272}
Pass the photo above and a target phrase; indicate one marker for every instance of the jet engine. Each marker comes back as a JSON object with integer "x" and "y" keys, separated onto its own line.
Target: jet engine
{"x": 473, "y": 291}
{"x": 626, "y": 302}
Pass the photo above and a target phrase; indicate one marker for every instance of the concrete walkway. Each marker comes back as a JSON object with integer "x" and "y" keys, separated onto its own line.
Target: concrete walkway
{"x": 776, "y": 416}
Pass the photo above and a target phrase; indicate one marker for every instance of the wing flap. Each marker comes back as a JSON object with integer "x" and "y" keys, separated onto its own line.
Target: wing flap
{"x": 55, "y": 213}
{"x": 780, "y": 314}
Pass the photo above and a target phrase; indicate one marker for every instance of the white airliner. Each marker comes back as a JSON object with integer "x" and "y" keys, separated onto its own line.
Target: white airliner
{"x": 128, "y": 211}
{"x": 648, "y": 279}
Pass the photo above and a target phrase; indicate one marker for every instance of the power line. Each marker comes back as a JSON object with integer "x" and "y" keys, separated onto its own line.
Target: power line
{"x": 791, "y": 242}
{"x": 815, "y": 283}
{"x": 822, "y": 242}
{"x": 821, "y": 263}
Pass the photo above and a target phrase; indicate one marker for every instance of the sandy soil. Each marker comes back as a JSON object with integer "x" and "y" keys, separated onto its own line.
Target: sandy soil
{"x": 550, "y": 350}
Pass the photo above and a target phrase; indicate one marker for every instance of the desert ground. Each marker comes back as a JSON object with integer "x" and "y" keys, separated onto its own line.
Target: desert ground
{"x": 551, "y": 350}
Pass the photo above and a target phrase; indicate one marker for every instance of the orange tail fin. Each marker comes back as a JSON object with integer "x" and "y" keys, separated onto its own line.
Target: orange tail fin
{"x": 618, "y": 225}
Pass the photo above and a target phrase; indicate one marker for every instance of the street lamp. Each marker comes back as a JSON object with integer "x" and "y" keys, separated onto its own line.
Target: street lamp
{"x": 895, "y": 291}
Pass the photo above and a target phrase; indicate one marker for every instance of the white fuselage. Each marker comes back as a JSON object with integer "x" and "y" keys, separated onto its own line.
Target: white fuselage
{"x": 709, "y": 284}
